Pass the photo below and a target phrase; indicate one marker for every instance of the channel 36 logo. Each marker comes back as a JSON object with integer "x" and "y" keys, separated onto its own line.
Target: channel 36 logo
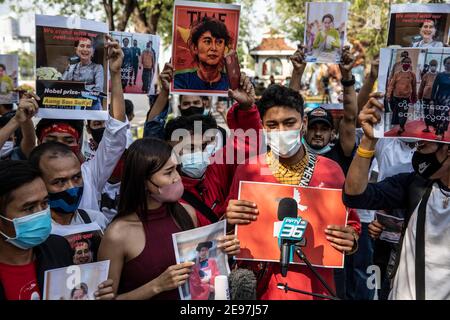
{"x": 293, "y": 228}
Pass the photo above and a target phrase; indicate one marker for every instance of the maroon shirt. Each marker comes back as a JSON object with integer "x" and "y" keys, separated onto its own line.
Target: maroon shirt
{"x": 157, "y": 256}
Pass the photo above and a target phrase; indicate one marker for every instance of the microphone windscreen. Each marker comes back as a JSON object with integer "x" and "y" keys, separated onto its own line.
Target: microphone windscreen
{"x": 287, "y": 208}
{"x": 242, "y": 284}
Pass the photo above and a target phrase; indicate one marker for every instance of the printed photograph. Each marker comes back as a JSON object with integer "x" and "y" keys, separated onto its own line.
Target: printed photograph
{"x": 419, "y": 25}
{"x": 200, "y": 246}
{"x": 325, "y": 31}
{"x": 77, "y": 282}
{"x": 416, "y": 84}
{"x": 9, "y": 72}
{"x": 203, "y": 33}
{"x": 71, "y": 68}
{"x": 140, "y": 62}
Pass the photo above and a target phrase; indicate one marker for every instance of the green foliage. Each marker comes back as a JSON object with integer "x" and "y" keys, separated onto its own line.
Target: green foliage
{"x": 26, "y": 64}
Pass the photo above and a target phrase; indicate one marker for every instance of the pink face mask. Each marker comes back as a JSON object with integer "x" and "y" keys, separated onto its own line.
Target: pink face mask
{"x": 169, "y": 193}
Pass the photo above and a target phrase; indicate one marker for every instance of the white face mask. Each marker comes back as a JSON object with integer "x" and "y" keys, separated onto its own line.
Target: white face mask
{"x": 7, "y": 149}
{"x": 284, "y": 144}
{"x": 195, "y": 164}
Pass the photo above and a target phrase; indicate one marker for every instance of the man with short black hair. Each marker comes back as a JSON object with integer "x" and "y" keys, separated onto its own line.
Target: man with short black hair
{"x": 27, "y": 249}
{"x": 289, "y": 162}
{"x": 62, "y": 175}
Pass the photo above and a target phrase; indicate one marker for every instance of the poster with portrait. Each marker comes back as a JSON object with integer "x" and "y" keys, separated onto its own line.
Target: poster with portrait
{"x": 140, "y": 61}
{"x": 76, "y": 282}
{"x": 9, "y": 72}
{"x": 203, "y": 33}
{"x": 71, "y": 68}
{"x": 416, "y": 87}
{"x": 318, "y": 206}
{"x": 200, "y": 246}
{"x": 325, "y": 31}
{"x": 419, "y": 25}
{"x": 84, "y": 239}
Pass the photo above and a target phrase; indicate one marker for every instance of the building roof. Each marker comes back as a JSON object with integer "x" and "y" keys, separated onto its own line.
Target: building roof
{"x": 271, "y": 44}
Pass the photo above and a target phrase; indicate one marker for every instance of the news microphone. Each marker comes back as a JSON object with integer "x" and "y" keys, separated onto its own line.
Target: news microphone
{"x": 242, "y": 283}
{"x": 291, "y": 231}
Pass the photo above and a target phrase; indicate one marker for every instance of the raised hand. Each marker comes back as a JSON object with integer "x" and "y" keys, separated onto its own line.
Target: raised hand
{"x": 28, "y": 107}
{"x": 114, "y": 53}
{"x": 166, "y": 77}
{"x": 370, "y": 114}
{"x": 346, "y": 63}
{"x": 298, "y": 59}
{"x": 245, "y": 95}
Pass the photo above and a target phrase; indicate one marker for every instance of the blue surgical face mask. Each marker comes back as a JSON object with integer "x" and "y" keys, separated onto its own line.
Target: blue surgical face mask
{"x": 66, "y": 201}
{"x": 31, "y": 230}
{"x": 195, "y": 164}
{"x": 314, "y": 150}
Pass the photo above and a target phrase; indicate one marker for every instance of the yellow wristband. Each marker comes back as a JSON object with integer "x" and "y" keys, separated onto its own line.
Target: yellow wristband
{"x": 363, "y": 153}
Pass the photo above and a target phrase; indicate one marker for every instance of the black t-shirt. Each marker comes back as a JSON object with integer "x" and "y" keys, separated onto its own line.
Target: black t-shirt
{"x": 337, "y": 154}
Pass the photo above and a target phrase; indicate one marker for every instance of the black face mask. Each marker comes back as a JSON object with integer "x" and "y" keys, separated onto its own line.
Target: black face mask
{"x": 425, "y": 165}
{"x": 191, "y": 111}
{"x": 97, "y": 134}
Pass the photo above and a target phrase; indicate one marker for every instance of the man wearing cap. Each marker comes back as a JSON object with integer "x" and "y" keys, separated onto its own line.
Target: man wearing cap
{"x": 320, "y": 126}
{"x": 204, "y": 272}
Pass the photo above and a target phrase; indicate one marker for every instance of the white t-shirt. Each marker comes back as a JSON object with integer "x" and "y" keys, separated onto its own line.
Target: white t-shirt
{"x": 95, "y": 216}
{"x": 393, "y": 157}
{"x": 97, "y": 171}
{"x": 437, "y": 253}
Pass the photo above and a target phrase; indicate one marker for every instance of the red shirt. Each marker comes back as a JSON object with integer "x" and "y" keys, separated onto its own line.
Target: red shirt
{"x": 19, "y": 282}
{"x": 214, "y": 187}
{"x": 327, "y": 174}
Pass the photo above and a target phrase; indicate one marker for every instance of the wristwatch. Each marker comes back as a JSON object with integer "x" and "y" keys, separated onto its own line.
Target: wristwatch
{"x": 348, "y": 83}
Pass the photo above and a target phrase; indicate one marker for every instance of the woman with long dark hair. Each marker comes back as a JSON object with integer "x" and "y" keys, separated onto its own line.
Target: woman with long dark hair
{"x": 139, "y": 240}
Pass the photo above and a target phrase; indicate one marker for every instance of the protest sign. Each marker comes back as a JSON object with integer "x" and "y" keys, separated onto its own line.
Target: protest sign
{"x": 417, "y": 93}
{"x": 71, "y": 68}
{"x": 419, "y": 25}
{"x": 140, "y": 62}
{"x": 200, "y": 246}
{"x": 84, "y": 239}
{"x": 9, "y": 72}
{"x": 77, "y": 282}
{"x": 203, "y": 33}
{"x": 319, "y": 207}
{"x": 325, "y": 31}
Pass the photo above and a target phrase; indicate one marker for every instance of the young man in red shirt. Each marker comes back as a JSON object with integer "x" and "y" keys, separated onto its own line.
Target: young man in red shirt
{"x": 27, "y": 249}
{"x": 289, "y": 162}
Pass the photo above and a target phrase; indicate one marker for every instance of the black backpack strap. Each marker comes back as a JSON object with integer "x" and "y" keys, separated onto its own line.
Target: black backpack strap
{"x": 190, "y": 198}
{"x": 420, "y": 247}
{"x": 416, "y": 192}
{"x": 84, "y": 215}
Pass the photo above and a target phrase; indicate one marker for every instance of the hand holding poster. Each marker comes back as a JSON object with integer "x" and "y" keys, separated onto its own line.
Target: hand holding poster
{"x": 140, "y": 63}
{"x": 71, "y": 68}
{"x": 203, "y": 33}
{"x": 319, "y": 207}
{"x": 200, "y": 246}
{"x": 78, "y": 282}
{"x": 9, "y": 71}
{"x": 416, "y": 84}
{"x": 325, "y": 31}
{"x": 419, "y": 25}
